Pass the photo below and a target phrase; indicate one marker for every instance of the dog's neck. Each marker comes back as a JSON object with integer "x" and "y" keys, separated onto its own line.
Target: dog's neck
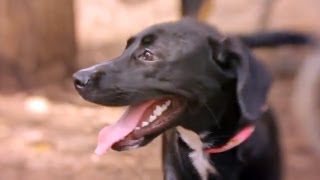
{"x": 213, "y": 125}
{"x": 217, "y": 121}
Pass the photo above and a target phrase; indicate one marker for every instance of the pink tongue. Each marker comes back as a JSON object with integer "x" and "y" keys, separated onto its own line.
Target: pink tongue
{"x": 114, "y": 133}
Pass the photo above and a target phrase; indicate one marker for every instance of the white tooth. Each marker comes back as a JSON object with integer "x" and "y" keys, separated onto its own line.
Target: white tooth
{"x": 158, "y": 111}
{"x": 168, "y": 102}
{"x": 164, "y": 107}
{"x": 144, "y": 123}
{"x": 152, "y": 118}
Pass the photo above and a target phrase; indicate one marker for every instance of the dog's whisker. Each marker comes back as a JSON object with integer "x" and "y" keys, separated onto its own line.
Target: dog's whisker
{"x": 215, "y": 118}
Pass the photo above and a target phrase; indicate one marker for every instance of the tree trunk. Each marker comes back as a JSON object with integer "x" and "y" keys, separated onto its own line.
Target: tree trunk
{"x": 37, "y": 41}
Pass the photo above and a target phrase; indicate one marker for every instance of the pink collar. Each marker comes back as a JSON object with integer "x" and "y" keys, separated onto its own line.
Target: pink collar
{"x": 240, "y": 137}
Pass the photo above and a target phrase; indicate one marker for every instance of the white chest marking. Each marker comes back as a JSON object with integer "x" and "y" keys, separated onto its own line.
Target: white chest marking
{"x": 198, "y": 157}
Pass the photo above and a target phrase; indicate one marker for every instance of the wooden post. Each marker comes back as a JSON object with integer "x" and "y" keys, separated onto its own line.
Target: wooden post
{"x": 37, "y": 41}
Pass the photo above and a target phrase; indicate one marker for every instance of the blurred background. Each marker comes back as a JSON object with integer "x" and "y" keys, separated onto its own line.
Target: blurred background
{"x": 47, "y": 132}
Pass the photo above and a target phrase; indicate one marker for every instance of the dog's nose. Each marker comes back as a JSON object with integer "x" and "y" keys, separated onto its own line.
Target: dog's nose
{"x": 81, "y": 78}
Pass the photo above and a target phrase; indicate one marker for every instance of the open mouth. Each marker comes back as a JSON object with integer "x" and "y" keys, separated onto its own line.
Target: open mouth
{"x": 140, "y": 122}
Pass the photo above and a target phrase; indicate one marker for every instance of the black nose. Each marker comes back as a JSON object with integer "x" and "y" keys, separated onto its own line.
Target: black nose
{"x": 81, "y": 78}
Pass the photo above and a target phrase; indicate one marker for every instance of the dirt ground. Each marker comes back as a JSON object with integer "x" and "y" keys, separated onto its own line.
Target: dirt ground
{"x": 45, "y": 139}
{"x": 53, "y": 137}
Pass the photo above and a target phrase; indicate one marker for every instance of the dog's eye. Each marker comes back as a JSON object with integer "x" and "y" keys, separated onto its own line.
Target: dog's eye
{"x": 147, "y": 40}
{"x": 146, "y": 56}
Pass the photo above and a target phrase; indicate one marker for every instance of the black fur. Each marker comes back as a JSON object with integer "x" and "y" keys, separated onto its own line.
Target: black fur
{"x": 224, "y": 86}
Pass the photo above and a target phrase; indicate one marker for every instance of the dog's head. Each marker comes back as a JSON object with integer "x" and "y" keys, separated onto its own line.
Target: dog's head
{"x": 163, "y": 71}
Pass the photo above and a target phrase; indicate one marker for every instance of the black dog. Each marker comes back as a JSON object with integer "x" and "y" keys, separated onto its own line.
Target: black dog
{"x": 206, "y": 93}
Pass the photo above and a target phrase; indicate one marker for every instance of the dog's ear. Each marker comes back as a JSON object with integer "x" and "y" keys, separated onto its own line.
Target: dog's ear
{"x": 253, "y": 81}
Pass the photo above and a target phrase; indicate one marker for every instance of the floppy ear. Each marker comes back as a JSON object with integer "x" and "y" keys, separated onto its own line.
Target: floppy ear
{"x": 253, "y": 81}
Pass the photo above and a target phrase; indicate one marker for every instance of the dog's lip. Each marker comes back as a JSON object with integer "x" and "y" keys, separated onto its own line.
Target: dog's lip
{"x": 131, "y": 144}
{"x": 139, "y": 138}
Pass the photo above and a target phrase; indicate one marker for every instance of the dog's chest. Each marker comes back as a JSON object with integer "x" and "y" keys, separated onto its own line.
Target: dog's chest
{"x": 199, "y": 159}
